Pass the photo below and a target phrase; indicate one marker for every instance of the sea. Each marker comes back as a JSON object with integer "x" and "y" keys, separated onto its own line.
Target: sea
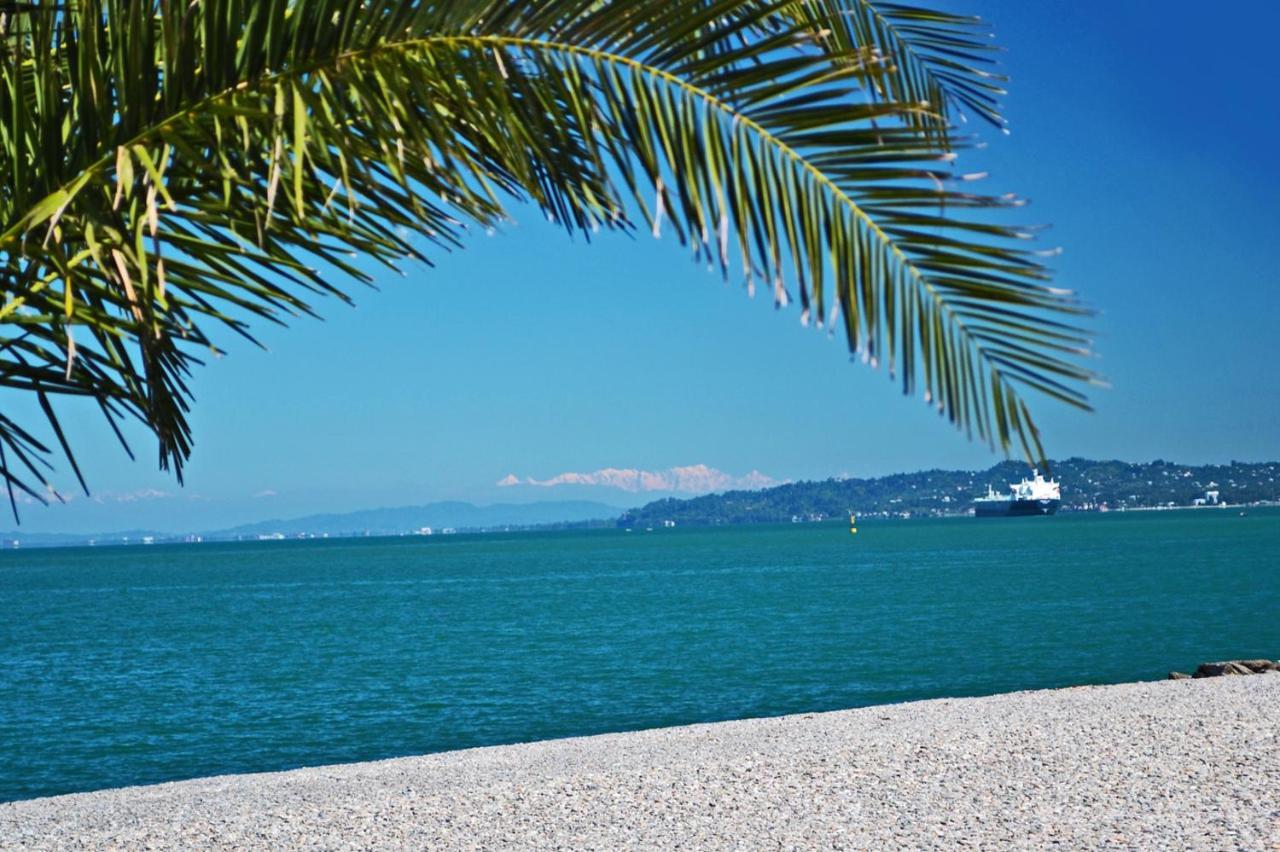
{"x": 135, "y": 665}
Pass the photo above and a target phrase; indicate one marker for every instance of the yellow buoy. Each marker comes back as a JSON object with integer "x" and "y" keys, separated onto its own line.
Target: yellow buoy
{"x": 853, "y": 524}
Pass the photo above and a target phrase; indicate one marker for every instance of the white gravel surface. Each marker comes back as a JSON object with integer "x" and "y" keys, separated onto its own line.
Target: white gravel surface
{"x": 1162, "y": 765}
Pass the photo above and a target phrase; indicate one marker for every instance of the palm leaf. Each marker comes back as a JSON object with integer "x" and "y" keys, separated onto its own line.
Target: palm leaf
{"x": 927, "y": 57}
{"x": 175, "y": 167}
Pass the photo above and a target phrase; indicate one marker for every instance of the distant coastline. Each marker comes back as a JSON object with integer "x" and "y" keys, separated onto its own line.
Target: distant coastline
{"x": 1102, "y": 486}
{"x": 1087, "y": 485}
{"x": 435, "y": 519}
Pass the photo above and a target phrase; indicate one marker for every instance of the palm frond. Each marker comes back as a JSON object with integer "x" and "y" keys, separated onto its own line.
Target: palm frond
{"x": 941, "y": 61}
{"x": 173, "y": 168}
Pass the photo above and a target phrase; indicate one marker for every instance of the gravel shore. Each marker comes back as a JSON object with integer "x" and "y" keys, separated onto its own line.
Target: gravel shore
{"x": 1168, "y": 764}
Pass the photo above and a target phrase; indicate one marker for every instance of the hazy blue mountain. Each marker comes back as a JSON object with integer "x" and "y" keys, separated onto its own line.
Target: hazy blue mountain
{"x": 403, "y": 519}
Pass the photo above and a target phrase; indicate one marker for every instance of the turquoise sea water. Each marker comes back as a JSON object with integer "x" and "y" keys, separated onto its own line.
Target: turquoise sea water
{"x": 143, "y": 664}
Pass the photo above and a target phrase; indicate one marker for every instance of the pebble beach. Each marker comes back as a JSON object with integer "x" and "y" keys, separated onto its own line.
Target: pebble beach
{"x": 1191, "y": 764}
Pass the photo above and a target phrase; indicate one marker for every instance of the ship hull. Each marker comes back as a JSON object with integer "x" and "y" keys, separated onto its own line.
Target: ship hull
{"x": 1014, "y": 508}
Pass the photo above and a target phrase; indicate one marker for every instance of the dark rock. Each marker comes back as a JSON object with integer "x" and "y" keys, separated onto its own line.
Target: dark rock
{"x": 1259, "y": 666}
{"x": 1179, "y": 676}
{"x": 1235, "y": 667}
{"x": 1211, "y": 670}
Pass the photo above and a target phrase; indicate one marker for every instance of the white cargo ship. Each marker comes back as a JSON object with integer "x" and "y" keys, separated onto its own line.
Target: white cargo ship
{"x": 1035, "y": 496}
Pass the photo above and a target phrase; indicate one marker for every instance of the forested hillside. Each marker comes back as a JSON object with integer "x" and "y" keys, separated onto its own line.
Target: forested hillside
{"x": 1086, "y": 485}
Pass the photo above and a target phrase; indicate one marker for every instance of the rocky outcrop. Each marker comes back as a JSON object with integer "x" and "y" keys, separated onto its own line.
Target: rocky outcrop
{"x": 1229, "y": 667}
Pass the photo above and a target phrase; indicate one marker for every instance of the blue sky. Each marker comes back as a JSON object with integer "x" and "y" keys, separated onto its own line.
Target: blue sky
{"x": 1146, "y": 141}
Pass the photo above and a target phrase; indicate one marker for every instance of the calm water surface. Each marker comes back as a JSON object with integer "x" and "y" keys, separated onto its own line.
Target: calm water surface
{"x": 135, "y": 665}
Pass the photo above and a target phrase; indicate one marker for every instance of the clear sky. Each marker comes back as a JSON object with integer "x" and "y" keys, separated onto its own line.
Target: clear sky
{"x": 1147, "y": 141}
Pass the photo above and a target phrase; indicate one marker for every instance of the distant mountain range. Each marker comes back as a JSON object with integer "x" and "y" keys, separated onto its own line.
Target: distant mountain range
{"x": 1086, "y": 485}
{"x": 454, "y": 516}
{"x": 437, "y": 516}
